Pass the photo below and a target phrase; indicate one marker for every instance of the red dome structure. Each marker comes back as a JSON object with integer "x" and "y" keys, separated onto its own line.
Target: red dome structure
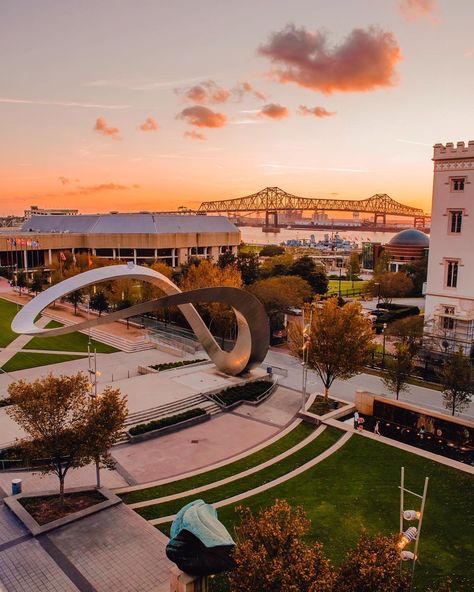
{"x": 407, "y": 246}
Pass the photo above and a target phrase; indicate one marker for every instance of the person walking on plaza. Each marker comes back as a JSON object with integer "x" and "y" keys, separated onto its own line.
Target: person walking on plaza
{"x": 360, "y": 424}
{"x": 356, "y": 419}
{"x": 377, "y": 428}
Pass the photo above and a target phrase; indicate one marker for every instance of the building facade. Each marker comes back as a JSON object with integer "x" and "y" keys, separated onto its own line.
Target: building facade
{"x": 141, "y": 238}
{"x": 449, "y": 310}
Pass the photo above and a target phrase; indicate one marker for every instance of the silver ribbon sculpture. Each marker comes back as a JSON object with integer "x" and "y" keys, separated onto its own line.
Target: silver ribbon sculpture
{"x": 253, "y": 335}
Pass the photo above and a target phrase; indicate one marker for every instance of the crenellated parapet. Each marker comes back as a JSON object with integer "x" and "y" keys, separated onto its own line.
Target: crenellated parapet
{"x": 452, "y": 151}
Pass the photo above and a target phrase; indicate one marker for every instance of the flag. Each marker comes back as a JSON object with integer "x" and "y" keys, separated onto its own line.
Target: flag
{"x": 74, "y": 260}
{"x": 62, "y": 256}
{"x": 89, "y": 260}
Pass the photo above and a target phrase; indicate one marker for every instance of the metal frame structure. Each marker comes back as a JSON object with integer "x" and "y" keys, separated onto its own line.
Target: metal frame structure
{"x": 273, "y": 200}
{"x": 253, "y": 333}
{"x": 404, "y": 490}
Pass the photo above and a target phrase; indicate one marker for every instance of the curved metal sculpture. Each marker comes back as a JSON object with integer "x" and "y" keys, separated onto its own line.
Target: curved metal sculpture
{"x": 253, "y": 334}
{"x": 200, "y": 544}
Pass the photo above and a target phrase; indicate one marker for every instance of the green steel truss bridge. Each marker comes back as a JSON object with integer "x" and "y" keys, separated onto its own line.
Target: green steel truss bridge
{"x": 272, "y": 200}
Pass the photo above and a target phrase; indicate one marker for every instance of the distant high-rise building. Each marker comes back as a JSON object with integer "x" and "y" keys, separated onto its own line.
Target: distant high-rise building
{"x": 449, "y": 310}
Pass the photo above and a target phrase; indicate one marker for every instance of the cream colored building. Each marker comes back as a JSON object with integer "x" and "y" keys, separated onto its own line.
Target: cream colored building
{"x": 449, "y": 309}
{"x": 141, "y": 238}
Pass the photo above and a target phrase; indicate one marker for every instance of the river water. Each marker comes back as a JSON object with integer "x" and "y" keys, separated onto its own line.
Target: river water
{"x": 254, "y": 235}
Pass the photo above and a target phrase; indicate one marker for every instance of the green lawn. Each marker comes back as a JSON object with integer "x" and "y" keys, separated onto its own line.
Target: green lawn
{"x": 333, "y": 287}
{"x": 7, "y": 311}
{"x": 24, "y": 360}
{"x": 357, "y": 488}
{"x": 290, "y": 463}
{"x": 252, "y": 460}
{"x": 71, "y": 342}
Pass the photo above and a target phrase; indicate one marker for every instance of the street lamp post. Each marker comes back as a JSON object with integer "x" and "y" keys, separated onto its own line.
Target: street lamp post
{"x": 93, "y": 376}
{"x": 384, "y": 327}
{"x": 305, "y": 348}
{"x": 340, "y": 271}
{"x": 378, "y": 291}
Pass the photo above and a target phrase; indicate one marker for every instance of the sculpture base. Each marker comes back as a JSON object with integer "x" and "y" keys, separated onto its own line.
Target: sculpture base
{"x": 183, "y": 582}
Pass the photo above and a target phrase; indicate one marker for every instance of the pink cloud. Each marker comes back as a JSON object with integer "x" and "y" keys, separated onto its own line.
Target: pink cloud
{"x": 149, "y": 125}
{"x": 315, "y": 111}
{"x": 194, "y": 135}
{"x": 245, "y": 87}
{"x": 364, "y": 61}
{"x": 101, "y": 127}
{"x": 274, "y": 111}
{"x": 200, "y": 116}
{"x": 207, "y": 92}
{"x": 413, "y": 10}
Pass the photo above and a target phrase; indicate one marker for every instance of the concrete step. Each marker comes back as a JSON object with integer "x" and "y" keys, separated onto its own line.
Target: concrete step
{"x": 164, "y": 410}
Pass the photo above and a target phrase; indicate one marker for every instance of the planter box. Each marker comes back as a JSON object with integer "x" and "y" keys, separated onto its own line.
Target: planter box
{"x": 262, "y": 398}
{"x": 168, "y": 429}
{"x": 30, "y": 523}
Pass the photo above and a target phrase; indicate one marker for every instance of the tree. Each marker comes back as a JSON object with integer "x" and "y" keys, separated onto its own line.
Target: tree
{"x": 417, "y": 271}
{"x": 276, "y": 266}
{"x": 99, "y": 302}
{"x": 382, "y": 263}
{"x": 399, "y": 367}
{"x": 457, "y": 382}
{"x": 305, "y": 267}
{"x": 353, "y": 266}
{"x": 271, "y": 250}
{"x": 64, "y": 425}
{"x": 248, "y": 265}
{"x": 271, "y": 555}
{"x": 340, "y": 341}
{"x": 372, "y": 566}
{"x": 226, "y": 259}
{"x": 408, "y": 331}
{"x": 206, "y": 275}
{"x": 279, "y": 294}
{"x": 38, "y": 281}
{"x": 21, "y": 280}
{"x": 389, "y": 285}
{"x": 75, "y": 298}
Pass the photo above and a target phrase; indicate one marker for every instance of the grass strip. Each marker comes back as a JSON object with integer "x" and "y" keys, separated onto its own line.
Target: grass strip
{"x": 302, "y": 431}
{"x": 7, "y": 311}
{"x": 76, "y": 342}
{"x": 24, "y": 360}
{"x": 302, "y": 456}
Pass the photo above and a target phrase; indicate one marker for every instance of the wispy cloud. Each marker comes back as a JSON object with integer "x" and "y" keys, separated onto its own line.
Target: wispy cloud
{"x": 274, "y": 111}
{"x": 275, "y": 166}
{"x": 194, "y": 135}
{"x": 48, "y": 103}
{"x": 201, "y": 116}
{"x": 143, "y": 83}
{"x": 414, "y": 142}
{"x": 412, "y": 10}
{"x": 315, "y": 111}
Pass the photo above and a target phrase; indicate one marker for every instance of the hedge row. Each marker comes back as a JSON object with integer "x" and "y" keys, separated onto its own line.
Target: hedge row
{"x": 251, "y": 391}
{"x": 143, "y": 428}
{"x": 170, "y": 365}
{"x": 395, "y": 313}
{"x": 395, "y": 306}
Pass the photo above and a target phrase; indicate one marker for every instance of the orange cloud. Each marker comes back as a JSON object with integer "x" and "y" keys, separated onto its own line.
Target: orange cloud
{"x": 364, "y": 61}
{"x": 315, "y": 111}
{"x": 149, "y": 125}
{"x": 274, "y": 111}
{"x": 194, "y": 135}
{"x": 413, "y": 10}
{"x": 245, "y": 87}
{"x": 207, "y": 92}
{"x": 64, "y": 180}
{"x": 200, "y": 116}
{"x": 101, "y": 127}
{"x": 90, "y": 189}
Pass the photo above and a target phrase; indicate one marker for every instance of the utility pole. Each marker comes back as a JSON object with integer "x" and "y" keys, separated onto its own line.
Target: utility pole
{"x": 93, "y": 378}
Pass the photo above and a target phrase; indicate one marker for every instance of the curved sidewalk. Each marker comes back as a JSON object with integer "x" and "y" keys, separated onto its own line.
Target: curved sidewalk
{"x": 236, "y": 477}
{"x": 270, "y": 484}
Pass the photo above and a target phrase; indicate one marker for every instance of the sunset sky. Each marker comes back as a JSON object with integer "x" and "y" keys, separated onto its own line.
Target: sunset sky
{"x": 152, "y": 104}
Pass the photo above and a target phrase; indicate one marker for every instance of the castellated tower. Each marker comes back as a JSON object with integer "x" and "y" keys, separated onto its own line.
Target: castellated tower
{"x": 449, "y": 308}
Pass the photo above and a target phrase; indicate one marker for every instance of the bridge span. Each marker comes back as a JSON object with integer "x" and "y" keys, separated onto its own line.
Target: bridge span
{"x": 272, "y": 200}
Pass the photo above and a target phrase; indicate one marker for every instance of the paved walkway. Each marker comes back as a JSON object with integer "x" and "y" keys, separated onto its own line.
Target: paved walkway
{"x": 112, "y": 550}
{"x": 18, "y": 344}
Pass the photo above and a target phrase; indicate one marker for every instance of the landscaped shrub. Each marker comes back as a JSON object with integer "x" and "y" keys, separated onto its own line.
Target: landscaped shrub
{"x": 394, "y": 312}
{"x": 170, "y": 365}
{"x": 321, "y": 406}
{"x": 156, "y": 424}
{"x": 252, "y": 391}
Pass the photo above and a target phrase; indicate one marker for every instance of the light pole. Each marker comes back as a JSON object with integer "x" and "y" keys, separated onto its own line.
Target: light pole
{"x": 340, "y": 271}
{"x": 305, "y": 350}
{"x": 93, "y": 376}
{"x": 378, "y": 291}
{"x": 384, "y": 327}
